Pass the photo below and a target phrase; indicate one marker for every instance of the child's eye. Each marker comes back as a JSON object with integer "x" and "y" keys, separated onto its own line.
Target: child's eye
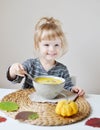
{"x": 46, "y": 44}
{"x": 56, "y": 44}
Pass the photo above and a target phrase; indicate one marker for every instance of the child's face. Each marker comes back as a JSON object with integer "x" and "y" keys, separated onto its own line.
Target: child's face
{"x": 50, "y": 49}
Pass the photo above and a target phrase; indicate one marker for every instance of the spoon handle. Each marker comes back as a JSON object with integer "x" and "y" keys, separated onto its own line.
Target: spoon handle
{"x": 29, "y": 76}
{"x": 75, "y": 97}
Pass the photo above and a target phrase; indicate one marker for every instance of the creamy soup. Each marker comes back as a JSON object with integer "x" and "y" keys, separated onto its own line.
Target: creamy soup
{"x": 46, "y": 80}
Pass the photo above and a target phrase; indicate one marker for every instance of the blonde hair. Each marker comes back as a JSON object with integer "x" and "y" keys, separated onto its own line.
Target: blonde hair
{"x": 49, "y": 29}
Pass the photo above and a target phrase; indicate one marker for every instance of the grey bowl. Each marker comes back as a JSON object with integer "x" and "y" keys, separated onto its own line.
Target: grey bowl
{"x": 48, "y": 91}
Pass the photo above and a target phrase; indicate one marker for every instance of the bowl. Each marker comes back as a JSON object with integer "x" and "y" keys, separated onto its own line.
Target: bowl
{"x": 48, "y": 86}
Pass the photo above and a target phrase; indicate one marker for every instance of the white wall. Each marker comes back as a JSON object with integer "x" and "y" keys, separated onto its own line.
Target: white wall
{"x": 81, "y": 22}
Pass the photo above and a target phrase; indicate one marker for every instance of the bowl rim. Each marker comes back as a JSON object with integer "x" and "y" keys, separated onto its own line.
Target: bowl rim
{"x": 50, "y": 76}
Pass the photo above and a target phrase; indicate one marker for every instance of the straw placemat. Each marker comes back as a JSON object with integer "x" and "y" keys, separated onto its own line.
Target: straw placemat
{"x": 45, "y": 110}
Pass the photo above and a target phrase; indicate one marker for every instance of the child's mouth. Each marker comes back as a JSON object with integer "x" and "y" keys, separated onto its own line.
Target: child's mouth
{"x": 53, "y": 54}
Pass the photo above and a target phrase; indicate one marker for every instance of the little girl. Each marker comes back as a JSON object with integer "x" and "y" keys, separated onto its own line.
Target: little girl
{"x": 49, "y": 43}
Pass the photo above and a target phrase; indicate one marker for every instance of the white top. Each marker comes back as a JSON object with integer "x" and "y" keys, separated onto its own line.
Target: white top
{"x": 12, "y": 124}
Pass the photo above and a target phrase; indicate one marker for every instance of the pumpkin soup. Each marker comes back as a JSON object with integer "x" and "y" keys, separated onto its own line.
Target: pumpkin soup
{"x": 46, "y": 80}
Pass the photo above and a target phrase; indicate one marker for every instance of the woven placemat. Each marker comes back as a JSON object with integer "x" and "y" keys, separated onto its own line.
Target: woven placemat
{"x": 46, "y": 111}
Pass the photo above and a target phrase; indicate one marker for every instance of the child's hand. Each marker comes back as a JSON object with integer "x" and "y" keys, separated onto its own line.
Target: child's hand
{"x": 78, "y": 90}
{"x": 16, "y": 69}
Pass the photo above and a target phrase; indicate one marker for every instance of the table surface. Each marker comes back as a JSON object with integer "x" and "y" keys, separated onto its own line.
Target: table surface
{"x": 93, "y": 99}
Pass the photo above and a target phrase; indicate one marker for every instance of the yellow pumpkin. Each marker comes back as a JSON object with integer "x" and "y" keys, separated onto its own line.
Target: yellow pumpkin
{"x": 66, "y": 108}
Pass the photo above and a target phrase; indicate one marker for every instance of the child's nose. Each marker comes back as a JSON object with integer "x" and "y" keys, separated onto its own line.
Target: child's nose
{"x": 51, "y": 48}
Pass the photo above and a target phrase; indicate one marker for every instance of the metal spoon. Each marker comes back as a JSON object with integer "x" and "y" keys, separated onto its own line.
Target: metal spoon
{"x": 69, "y": 95}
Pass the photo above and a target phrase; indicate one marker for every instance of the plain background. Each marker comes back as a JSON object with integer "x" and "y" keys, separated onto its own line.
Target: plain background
{"x": 80, "y": 21}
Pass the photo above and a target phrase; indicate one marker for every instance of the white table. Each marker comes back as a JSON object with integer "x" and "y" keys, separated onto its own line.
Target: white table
{"x": 12, "y": 124}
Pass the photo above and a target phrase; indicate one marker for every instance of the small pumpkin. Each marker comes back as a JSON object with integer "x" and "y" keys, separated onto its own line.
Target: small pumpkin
{"x": 66, "y": 108}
